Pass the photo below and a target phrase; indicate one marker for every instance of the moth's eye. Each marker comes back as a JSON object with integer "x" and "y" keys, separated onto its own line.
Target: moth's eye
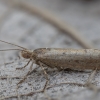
{"x": 27, "y": 56}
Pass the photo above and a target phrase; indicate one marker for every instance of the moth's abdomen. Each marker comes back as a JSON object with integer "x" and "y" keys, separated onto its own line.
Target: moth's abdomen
{"x": 78, "y": 59}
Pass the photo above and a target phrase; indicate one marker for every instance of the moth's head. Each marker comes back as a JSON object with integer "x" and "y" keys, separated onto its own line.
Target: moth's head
{"x": 27, "y": 54}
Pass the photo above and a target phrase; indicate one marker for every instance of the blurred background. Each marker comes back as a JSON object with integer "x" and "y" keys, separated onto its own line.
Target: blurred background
{"x": 49, "y": 24}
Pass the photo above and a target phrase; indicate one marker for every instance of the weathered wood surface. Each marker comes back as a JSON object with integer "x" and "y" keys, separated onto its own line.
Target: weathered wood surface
{"x": 32, "y": 32}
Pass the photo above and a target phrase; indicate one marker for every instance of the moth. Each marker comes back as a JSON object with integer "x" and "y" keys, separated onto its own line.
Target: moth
{"x": 60, "y": 58}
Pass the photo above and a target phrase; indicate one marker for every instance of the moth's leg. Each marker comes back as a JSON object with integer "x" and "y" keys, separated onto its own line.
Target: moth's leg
{"x": 26, "y": 74}
{"x": 92, "y": 86}
{"x": 89, "y": 82}
{"x": 9, "y": 63}
{"x": 46, "y": 75}
{"x": 92, "y": 75}
{"x": 25, "y": 65}
{"x": 47, "y": 80}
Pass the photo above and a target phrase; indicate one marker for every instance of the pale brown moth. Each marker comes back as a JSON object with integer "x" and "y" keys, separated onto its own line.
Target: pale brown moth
{"x": 76, "y": 59}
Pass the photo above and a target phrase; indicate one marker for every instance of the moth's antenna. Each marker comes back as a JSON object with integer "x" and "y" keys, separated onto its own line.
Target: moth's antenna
{"x": 13, "y": 44}
{"x": 10, "y": 49}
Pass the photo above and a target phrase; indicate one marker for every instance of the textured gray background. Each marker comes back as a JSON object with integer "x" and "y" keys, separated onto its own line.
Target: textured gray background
{"x": 30, "y": 31}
